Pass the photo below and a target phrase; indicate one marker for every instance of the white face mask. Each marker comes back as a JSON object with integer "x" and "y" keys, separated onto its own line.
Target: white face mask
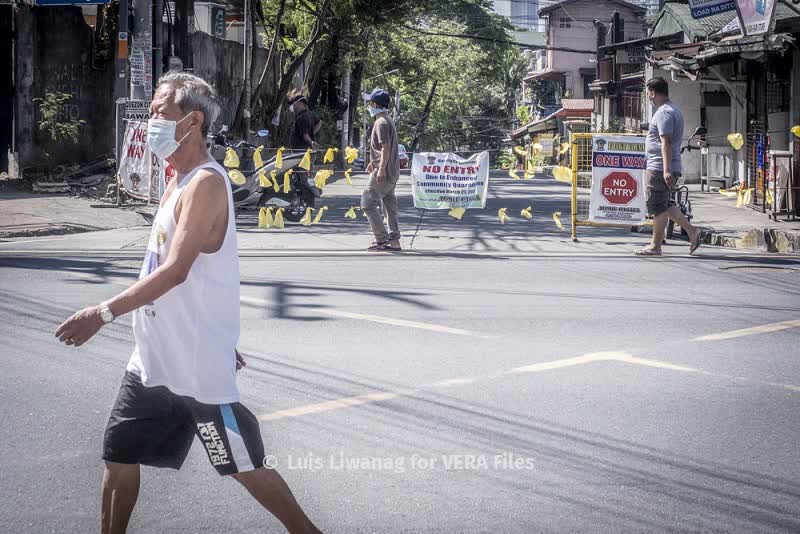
{"x": 161, "y": 137}
{"x": 375, "y": 111}
{"x": 291, "y": 108}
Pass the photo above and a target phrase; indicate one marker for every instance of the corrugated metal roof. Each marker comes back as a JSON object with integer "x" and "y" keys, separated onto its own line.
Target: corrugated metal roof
{"x": 577, "y": 104}
{"x": 675, "y": 17}
{"x": 555, "y": 5}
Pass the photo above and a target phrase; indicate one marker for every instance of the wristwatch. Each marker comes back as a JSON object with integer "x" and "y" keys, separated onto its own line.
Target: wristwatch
{"x": 106, "y": 314}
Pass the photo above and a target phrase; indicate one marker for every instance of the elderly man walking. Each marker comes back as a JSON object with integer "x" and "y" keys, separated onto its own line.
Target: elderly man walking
{"x": 663, "y": 147}
{"x": 180, "y": 381}
{"x": 384, "y": 169}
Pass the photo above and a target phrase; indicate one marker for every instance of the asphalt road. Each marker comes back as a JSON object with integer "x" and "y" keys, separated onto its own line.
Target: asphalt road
{"x": 571, "y": 388}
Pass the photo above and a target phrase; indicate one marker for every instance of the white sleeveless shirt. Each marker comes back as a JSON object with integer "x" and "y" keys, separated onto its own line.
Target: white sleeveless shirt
{"x": 186, "y": 339}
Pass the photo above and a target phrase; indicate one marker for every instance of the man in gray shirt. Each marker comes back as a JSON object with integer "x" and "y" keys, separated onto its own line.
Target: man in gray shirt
{"x": 663, "y": 147}
{"x": 384, "y": 169}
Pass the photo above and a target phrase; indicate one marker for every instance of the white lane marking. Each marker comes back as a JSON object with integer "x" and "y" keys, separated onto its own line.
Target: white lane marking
{"x": 453, "y": 382}
{"x": 567, "y": 362}
{"x": 627, "y": 358}
{"x": 375, "y": 319}
{"x": 763, "y": 329}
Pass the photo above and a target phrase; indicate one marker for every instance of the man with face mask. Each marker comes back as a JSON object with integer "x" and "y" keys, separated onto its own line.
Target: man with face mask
{"x": 663, "y": 148}
{"x": 384, "y": 169}
{"x": 306, "y": 125}
{"x": 180, "y": 381}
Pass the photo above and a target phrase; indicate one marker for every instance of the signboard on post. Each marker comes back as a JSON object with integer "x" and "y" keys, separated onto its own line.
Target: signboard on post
{"x": 141, "y": 173}
{"x": 218, "y": 28}
{"x": 705, "y": 8}
{"x": 755, "y": 16}
{"x": 444, "y": 181}
{"x": 618, "y": 189}
{"x": 137, "y": 110}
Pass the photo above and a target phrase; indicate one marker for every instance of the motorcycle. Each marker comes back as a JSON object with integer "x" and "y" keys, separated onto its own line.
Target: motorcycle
{"x": 250, "y": 195}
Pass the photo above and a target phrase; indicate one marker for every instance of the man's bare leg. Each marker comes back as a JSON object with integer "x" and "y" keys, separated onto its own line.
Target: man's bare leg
{"x": 659, "y": 231}
{"x": 677, "y": 215}
{"x": 269, "y": 489}
{"x": 118, "y": 496}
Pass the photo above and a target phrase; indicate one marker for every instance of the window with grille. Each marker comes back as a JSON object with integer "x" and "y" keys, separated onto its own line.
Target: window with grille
{"x": 778, "y": 96}
{"x": 564, "y": 22}
{"x": 632, "y": 105}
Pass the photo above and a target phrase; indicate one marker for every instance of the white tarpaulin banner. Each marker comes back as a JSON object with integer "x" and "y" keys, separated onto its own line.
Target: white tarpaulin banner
{"x": 441, "y": 180}
{"x": 618, "y": 187}
{"x": 138, "y": 168}
{"x": 755, "y": 15}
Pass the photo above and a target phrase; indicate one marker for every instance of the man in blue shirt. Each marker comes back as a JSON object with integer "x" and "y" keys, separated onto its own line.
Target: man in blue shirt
{"x": 663, "y": 148}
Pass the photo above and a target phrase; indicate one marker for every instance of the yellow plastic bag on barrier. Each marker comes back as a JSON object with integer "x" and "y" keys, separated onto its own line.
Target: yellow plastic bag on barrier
{"x": 236, "y": 177}
{"x": 258, "y": 161}
{"x": 305, "y": 163}
{"x": 321, "y": 211}
{"x": 563, "y": 174}
{"x": 770, "y": 198}
{"x": 263, "y": 181}
{"x": 278, "y": 221}
{"x": 537, "y": 148}
{"x": 557, "y": 220}
{"x": 512, "y": 173}
{"x": 231, "y": 160}
{"x": 348, "y": 177}
{"x": 287, "y": 180}
{"x": 457, "y": 213}
{"x": 274, "y": 175}
{"x": 321, "y": 178}
{"x": 796, "y": 130}
{"x": 530, "y": 173}
{"x": 279, "y": 158}
{"x": 520, "y": 151}
{"x": 329, "y": 155}
{"x": 501, "y": 214}
{"x": 527, "y": 212}
{"x": 351, "y": 213}
{"x": 748, "y": 195}
{"x": 351, "y": 154}
{"x": 740, "y": 198}
{"x": 265, "y": 218}
{"x": 563, "y": 149}
{"x": 736, "y": 140}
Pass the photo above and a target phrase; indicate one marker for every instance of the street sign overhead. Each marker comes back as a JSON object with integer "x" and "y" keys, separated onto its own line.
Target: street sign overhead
{"x": 706, "y": 8}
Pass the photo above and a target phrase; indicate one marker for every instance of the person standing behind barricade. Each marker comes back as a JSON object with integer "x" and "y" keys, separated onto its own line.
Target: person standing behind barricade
{"x": 663, "y": 147}
{"x": 384, "y": 169}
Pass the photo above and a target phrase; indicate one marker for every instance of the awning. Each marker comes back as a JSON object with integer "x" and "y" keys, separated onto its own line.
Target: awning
{"x": 547, "y": 75}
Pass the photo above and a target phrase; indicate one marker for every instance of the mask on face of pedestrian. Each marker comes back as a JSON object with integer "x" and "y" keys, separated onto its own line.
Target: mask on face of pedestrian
{"x": 651, "y": 96}
{"x": 375, "y": 111}
{"x": 291, "y": 108}
{"x": 161, "y": 136}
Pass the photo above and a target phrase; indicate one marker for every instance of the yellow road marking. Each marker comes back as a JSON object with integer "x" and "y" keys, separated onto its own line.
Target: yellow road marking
{"x": 336, "y": 404}
{"x": 375, "y": 319}
{"x": 763, "y": 329}
{"x": 453, "y": 382}
{"x": 568, "y": 362}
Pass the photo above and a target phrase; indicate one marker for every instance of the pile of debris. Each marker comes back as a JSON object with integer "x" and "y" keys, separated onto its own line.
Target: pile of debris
{"x": 93, "y": 180}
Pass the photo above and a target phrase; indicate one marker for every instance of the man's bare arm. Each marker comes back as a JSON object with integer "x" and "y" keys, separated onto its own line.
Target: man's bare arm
{"x": 666, "y": 156}
{"x": 203, "y": 202}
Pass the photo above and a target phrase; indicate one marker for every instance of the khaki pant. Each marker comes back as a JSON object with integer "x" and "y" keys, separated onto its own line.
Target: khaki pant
{"x": 376, "y": 195}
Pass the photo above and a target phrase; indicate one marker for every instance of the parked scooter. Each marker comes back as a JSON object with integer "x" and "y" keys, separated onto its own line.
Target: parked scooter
{"x": 250, "y": 195}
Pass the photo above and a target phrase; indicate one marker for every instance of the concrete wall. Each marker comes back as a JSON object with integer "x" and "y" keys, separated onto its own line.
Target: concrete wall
{"x": 55, "y": 53}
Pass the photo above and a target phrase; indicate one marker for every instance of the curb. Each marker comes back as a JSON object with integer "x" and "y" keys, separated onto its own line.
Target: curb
{"x": 761, "y": 239}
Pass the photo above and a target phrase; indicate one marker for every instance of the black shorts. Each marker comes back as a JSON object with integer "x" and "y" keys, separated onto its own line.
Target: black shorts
{"x": 659, "y": 195}
{"x": 153, "y": 426}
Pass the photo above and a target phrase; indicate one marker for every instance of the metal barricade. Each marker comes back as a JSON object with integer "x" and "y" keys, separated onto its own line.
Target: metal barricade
{"x": 581, "y": 166}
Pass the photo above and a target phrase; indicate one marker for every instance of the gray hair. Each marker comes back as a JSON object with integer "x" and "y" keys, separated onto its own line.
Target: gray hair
{"x": 193, "y": 93}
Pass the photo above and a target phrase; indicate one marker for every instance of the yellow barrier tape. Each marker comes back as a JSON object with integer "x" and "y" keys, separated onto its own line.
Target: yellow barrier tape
{"x": 530, "y": 173}
{"x": 278, "y": 221}
{"x": 287, "y": 184}
{"x": 237, "y": 178}
{"x": 770, "y": 198}
{"x": 527, "y": 212}
{"x": 231, "y": 160}
{"x": 512, "y": 173}
{"x": 748, "y": 194}
{"x": 457, "y": 213}
{"x": 351, "y": 213}
{"x": 305, "y": 163}
{"x": 557, "y": 220}
{"x": 263, "y": 181}
{"x": 274, "y": 175}
{"x": 736, "y": 140}
{"x": 330, "y": 154}
{"x": 563, "y": 174}
{"x": 350, "y": 154}
{"x": 740, "y": 198}
{"x": 321, "y": 211}
{"x": 306, "y": 220}
{"x": 279, "y": 158}
{"x": 520, "y": 151}
{"x": 348, "y": 177}
{"x": 321, "y": 178}
{"x": 501, "y": 214}
{"x": 726, "y": 193}
{"x": 265, "y": 218}
{"x": 563, "y": 149}
{"x": 258, "y": 161}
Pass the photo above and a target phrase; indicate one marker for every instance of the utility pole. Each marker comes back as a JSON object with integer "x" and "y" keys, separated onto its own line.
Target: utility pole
{"x": 121, "y": 75}
{"x": 247, "y": 89}
{"x": 345, "y": 139}
{"x": 142, "y": 51}
{"x": 158, "y": 38}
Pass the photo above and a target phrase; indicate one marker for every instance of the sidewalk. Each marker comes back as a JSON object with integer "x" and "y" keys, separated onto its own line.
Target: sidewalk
{"x": 24, "y": 214}
{"x": 744, "y": 228}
